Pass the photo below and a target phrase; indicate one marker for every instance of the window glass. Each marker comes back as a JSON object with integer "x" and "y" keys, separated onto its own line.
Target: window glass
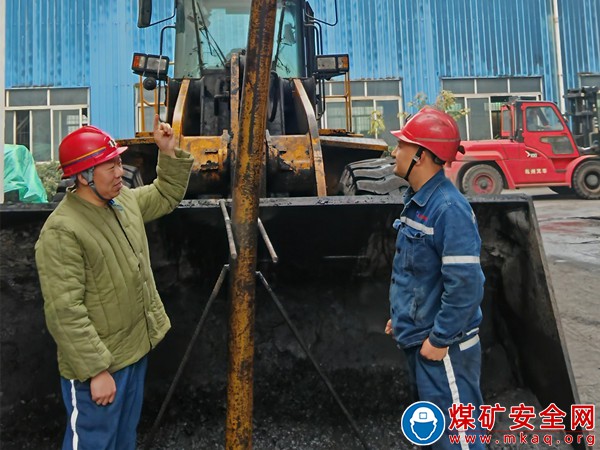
{"x": 506, "y": 122}
{"x": 363, "y": 108}
{"x": 390, "y": 110}
{"x": 288, "y": 48}
{"x": 383, "y": 88}
{"x": 149, "y": 117}
{"x": 41, "y": 147}
{"x": 461, "y": 121}
{"x": 28, "y": 97}
{"x": 561, "y": 145}
{"x": 492, "y": 85}
{"x": 68, "y": 97}
{"x": 459, "y": 86}
{"x": 22, "y": 127}
{"x": 495, "y": 108}
{"x": 361, "y": 116}
{"x": 42, "y": 129}
{"x": 357, "y": 88}
{"x": 150, "y": 97}
{"x": 590, "y": 80}
{"x": 65, "y": 121}
{"x": 542, "y": 118}
{"x": 479, "y": 118}
{"x": 525, "y": 85}
{"x": 336, "y": 115}
{"x": 9, "y": 126}
{"x": 337, "y": 88}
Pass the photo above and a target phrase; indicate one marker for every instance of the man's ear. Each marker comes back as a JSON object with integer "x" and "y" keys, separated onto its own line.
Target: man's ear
{"x": 81, "y": 180}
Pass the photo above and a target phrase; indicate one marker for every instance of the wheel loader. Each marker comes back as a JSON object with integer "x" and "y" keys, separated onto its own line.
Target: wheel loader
{"x": 326, "y": 375}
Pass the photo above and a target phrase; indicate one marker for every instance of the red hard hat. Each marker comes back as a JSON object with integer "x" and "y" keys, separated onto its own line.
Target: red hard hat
{"x": 84, "y": 148}
{"x": 434, "y": 130}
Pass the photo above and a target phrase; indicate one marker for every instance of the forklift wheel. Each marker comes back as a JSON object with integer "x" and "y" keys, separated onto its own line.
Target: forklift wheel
{"x": 586, "y": 180}
{"x": 482, "y": 179}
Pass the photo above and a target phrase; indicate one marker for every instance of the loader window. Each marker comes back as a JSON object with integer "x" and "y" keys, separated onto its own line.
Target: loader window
{"x": 221, "y": 27}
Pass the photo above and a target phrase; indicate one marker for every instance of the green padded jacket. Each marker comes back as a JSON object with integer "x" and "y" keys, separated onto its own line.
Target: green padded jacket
{"x": 100, "y": 300}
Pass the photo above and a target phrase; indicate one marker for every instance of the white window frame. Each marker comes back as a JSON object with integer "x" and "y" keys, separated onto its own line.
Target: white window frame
{"x": 46, "y": 107}
{"x": 476, "y": 95}
{"x": 364, "y": 96}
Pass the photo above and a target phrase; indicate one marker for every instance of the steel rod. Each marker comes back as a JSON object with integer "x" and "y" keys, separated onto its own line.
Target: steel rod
{"x": 248, "y": 167}
{"x": 265, "y": 236}
{"x": 232, "y": 249}
{"x": 314, "y": 362}
{"x": 186, "y": 356}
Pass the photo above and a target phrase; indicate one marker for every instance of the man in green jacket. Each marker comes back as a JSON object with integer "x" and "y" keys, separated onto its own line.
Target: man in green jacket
{"x": 100, "y": 300}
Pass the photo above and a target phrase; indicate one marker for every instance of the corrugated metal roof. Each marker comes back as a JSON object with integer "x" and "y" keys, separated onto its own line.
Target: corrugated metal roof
{"x": 89, "y": 43}
{"x": 46, "y": 43}
{"x": 82, "y": 43}
{"x": 426, "y": 40}
{"x": 580, "y": 22}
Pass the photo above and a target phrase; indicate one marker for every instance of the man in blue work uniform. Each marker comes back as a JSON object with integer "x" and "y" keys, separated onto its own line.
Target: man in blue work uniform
{"x": 437, "y": 281}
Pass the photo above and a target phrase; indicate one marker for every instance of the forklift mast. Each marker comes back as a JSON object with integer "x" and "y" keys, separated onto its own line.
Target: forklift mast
{"x": 583, "y": 108}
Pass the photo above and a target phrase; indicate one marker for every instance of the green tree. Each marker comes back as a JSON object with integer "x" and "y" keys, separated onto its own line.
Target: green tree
{"x": 50, "y": 174}
{"x": 445, "y": 101}
{"x": 377, "y": 123}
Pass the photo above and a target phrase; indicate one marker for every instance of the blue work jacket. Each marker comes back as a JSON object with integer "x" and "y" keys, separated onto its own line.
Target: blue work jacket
{"x": 437, "y": 281}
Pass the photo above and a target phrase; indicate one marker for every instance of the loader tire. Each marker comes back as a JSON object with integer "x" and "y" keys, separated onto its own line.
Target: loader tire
{"x": 481, "y": 179}
{"x": 371, "y": 177}
{"x": 132, "y": 177}
{"x": 586, "y": 180}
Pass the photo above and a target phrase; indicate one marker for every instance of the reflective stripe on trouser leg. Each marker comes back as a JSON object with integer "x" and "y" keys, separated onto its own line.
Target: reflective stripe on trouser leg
{"x": 434, "y": 384}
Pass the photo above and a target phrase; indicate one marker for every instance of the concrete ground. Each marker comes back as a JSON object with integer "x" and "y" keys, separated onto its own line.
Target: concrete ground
{"x": 570, "y": 229}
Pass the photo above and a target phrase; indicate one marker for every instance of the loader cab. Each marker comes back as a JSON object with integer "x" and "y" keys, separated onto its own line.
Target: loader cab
{"x": 210, "y": 46}
{"x": 209, "y": 32}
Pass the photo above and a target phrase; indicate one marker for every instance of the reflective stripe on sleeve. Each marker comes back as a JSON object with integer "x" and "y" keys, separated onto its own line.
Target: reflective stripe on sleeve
{"x": 460, "y": 260}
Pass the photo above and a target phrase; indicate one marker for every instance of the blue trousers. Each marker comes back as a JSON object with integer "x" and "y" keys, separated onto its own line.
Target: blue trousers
{"x": 110, "y": 427}
{"x": 455, "y": 379}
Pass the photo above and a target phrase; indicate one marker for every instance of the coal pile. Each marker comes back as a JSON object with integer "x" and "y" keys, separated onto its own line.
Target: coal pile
{"x": 294, "y": 410}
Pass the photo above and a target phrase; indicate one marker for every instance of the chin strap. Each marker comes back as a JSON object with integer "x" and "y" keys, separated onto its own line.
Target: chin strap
{"x": 88, "y": 175}
{"x": 415, "y": 159}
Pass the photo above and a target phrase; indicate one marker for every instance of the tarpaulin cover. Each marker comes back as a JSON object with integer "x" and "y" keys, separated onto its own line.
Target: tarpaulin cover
{"x": 20, "y": 175}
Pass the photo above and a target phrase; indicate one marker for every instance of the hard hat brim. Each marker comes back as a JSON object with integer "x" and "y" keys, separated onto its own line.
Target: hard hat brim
{"x": 116, "y": 152}
{"x": 398, "y": 134}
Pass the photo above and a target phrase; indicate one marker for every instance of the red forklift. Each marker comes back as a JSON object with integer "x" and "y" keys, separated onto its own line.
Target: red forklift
{"x": 536, "y": 149}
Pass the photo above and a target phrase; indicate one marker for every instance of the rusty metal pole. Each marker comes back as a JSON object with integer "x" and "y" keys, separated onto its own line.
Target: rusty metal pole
{"x": 246, "y": 183}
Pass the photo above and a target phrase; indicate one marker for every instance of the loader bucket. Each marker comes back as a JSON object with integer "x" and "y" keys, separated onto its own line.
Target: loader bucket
{"x": 332, "y": 277}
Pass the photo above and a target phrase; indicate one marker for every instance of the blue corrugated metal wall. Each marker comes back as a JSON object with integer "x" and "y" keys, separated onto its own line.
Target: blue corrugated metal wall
{"x": 81, "y": 43}
{"x": 426, "y": 40}
{"x": 580, "y": 22}
{"x": 46, "y": 45}
{"x": 72, "y": 43}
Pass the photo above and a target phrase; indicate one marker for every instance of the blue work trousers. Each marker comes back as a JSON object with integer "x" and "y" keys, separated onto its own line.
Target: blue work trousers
{"x": 110, "y": 427}
{"x": 455, "y": 379}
